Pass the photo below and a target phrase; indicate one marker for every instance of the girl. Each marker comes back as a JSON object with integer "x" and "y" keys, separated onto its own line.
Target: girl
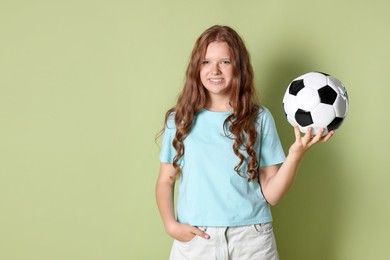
{"x": 223, "y": 147}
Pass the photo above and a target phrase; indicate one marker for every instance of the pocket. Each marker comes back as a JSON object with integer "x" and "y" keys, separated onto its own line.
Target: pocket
{"x": 264, "y": 228}
{"x": 188, "y": 242}
{"x": 194, "y": 239}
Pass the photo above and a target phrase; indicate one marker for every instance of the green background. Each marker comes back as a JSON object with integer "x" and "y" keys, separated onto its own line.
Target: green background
{"x": 84, "y": 86}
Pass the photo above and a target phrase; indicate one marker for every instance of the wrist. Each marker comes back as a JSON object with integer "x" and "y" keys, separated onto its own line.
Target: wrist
{"x": 170, "y": 226}
{"x": 295, "y": 156}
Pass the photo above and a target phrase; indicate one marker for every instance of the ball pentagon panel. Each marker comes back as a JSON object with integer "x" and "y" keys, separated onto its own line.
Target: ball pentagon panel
{"x": 327, "y": 95}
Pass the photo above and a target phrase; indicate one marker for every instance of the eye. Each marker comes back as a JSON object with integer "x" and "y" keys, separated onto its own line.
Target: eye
{"x": 225, "y": 62}
{"x": 205, "y": 62}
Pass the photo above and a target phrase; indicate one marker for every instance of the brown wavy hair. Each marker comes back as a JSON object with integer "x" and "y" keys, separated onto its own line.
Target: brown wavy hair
{"x": 242, "y": 122}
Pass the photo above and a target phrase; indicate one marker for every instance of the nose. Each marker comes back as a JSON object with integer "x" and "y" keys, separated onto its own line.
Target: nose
{"x": 215, "y": 69}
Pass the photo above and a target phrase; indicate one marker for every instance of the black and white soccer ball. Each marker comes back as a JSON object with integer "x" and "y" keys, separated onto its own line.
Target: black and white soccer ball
{"x": 316, "y": 100}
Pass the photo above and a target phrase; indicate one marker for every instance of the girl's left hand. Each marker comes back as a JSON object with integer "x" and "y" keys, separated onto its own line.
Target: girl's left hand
{"x": 303, "y": 143}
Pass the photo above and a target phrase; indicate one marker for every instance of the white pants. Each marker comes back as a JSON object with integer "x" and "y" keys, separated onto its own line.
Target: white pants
{"x": 255, "y": 242}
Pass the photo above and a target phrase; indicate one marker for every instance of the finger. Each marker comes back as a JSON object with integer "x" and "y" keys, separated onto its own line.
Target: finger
{"x": 297, "y": 132}
{"x": 328, "y": 136}
{"x": 200, "y": 233}
{"x": 318, "y": 136}
{"x": 308, "y": 134}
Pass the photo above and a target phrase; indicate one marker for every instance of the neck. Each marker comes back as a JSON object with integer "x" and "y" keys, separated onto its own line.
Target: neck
{"x": 218, "y": 106}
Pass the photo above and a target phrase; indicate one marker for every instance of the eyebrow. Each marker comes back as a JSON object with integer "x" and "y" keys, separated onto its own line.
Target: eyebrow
{"x": 205, "y": 58}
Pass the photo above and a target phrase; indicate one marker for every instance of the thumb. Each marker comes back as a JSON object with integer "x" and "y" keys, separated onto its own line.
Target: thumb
{"x": 200, "y": 233}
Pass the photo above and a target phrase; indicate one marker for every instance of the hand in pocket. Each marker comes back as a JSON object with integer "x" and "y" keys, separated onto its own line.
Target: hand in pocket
{"x": 185, "y": 233}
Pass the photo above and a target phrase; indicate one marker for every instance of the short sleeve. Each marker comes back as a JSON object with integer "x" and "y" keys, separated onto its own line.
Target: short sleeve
{"x": 271, "y": 150}
{"x": 168, "y": 152}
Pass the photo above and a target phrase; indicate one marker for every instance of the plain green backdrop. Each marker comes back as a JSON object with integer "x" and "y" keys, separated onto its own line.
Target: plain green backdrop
{"x": 84, "y": 86}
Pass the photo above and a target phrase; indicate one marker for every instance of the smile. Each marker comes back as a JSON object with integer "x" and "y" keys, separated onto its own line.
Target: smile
{"x": 219, "y": 80}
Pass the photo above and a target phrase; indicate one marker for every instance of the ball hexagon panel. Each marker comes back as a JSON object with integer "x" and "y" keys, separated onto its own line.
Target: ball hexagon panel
{"x": 332, "y": 81}
{"x": 323, "y": 114}
{"x": 339, "y": 87}
{"x": 315, "y": 129}
{"x": 290, "y": 104}
{"x": 341, "y": 103}
{"x": 340, "y": 107}
{"x": 314, "y": 80}
{"x": 291, "y": 120}
{"x": 307, "y": 99}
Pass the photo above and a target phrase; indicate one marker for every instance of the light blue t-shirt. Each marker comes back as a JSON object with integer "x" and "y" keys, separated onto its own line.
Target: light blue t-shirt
{"x": 211, "y": 193}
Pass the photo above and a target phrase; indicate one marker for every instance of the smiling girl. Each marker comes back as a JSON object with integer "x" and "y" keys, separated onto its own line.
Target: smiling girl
{"x": 223, "y": 147}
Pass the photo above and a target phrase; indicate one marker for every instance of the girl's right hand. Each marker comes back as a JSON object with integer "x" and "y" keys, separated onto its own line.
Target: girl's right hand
{"x": 184, "y": 232}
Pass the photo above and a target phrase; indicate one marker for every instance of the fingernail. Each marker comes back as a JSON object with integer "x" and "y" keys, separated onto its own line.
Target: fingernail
{"x": 206, "y": 236}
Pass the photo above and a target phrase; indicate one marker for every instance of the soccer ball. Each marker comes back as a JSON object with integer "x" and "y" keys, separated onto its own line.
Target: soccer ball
{"x": 316, "y": 100}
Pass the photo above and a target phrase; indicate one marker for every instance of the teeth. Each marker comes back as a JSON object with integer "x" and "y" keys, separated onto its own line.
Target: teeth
{"x": 216, "y": 80}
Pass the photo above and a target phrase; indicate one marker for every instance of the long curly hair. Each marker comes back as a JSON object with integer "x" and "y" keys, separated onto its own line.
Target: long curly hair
{"x": 243, "y": 100}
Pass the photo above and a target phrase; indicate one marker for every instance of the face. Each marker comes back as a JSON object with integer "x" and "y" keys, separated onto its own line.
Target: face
{"x": 216, "y": 70}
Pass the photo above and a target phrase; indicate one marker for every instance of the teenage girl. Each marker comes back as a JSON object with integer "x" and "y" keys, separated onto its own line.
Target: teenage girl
{"x": 223, "y": 147}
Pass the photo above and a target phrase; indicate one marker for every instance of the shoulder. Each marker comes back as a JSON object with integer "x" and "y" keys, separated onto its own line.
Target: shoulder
{"x": 170, "y": 121}
{"x": 264, "y": 115}
{"x": 265, "y": 121}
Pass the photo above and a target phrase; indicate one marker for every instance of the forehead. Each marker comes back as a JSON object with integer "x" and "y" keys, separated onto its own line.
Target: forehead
{"x": 218, "y": 49}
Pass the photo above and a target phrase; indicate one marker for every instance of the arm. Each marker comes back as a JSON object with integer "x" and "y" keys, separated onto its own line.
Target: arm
{"x": 276, "y": 181}
{"x": 165, "y": 202}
